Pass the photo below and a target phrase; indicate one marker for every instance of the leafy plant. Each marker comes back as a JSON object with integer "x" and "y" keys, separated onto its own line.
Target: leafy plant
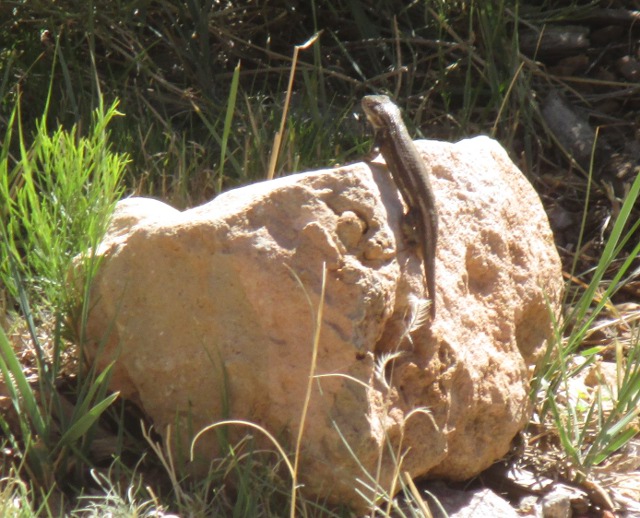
{"x": 55, "y": 203}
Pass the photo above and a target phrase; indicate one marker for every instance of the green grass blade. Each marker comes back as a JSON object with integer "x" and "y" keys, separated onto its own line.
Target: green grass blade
{"x": 91, "y": 390}
{"x": 228, "y": 118}
{"x": 23, "y": 397}
{"x": 608, "y": 255}
{"x": 81, "y": 426}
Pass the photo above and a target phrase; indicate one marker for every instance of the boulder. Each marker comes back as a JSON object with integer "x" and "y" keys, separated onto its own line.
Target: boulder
{"x": 210, "y": 314}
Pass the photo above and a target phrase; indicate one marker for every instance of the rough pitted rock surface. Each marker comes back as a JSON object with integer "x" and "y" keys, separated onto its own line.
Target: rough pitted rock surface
{"x": 215, "y": 306}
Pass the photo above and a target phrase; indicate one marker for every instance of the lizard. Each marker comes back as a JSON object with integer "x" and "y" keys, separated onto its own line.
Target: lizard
{"x": 411, "y": 177}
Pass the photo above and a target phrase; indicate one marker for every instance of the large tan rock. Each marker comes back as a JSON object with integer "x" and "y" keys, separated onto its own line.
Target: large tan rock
{"x": 210, "y": 315}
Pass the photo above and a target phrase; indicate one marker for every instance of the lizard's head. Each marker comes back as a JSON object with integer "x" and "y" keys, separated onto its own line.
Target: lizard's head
{"x": 379, "y": 109}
